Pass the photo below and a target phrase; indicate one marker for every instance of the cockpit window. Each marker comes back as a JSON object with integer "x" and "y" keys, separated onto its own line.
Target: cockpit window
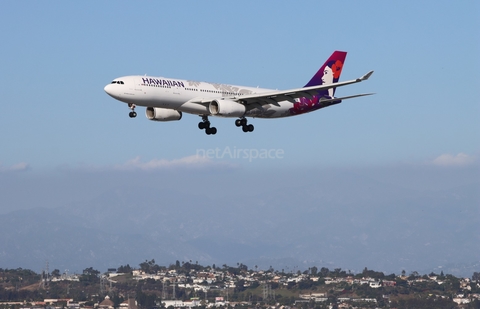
{"x": 118, "y": 82}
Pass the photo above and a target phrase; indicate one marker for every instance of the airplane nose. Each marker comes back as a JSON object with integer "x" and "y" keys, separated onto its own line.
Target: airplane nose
{"x": 110, "y": 90}
{"x": 107, "y": 88}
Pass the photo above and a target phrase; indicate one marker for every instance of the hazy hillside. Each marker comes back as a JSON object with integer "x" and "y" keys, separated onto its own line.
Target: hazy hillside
{"x": 349, "y": 221}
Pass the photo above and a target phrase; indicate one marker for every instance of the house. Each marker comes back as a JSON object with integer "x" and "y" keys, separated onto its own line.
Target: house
{"x": 179, "y": 303}
{"x": 106, "y": 303}
{"x": 461, "y": 301}
{"x": 375, "y": 284}
{"x": 129, "y": 304}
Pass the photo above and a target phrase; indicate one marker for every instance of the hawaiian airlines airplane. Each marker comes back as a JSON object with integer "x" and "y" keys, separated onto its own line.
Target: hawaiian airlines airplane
{"x": 166, "y": 99}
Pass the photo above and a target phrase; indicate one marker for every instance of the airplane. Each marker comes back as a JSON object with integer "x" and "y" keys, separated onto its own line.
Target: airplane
{"x": 166, "y": 99}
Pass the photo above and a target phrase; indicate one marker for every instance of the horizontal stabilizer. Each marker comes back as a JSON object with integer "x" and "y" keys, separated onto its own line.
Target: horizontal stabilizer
{"x": 347, "y": 97}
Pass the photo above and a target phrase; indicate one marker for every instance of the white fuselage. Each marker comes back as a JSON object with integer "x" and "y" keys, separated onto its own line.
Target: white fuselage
{"x": 187, "y": 96}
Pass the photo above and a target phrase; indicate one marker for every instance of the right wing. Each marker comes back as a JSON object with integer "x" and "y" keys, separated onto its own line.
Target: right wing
{"x": 273, "y": 97}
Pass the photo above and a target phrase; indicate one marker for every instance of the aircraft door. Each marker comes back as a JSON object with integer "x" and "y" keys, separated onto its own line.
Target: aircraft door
{"x": 137, "y": 85}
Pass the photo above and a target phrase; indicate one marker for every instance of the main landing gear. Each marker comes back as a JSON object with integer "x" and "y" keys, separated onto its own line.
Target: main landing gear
{"x": 205, "y": 125}
{"x": 132, "y": 114}
{"x": 242, "y": 122}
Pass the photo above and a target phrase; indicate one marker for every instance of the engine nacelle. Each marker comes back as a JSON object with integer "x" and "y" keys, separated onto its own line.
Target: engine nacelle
{"x": 162, "y": 114}
{"x": 226, "y": 108}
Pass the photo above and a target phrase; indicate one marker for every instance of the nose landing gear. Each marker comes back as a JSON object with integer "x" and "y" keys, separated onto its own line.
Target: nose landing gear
{"x": 132, "y": 114}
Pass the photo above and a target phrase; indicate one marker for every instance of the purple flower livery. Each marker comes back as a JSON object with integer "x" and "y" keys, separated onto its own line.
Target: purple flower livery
{"x": 329, "y": 73}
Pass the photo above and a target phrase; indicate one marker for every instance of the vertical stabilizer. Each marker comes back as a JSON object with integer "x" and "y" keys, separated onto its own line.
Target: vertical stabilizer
{"x": 329, "y": 73}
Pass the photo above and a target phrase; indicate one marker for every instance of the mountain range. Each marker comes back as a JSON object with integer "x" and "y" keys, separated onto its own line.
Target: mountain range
{"x": 338, "y": 220}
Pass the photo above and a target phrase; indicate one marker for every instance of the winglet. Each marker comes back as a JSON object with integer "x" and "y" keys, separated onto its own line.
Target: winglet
{"x": 365, "y": 77}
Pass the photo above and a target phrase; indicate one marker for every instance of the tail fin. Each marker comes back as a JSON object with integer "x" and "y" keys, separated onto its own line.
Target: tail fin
{"x": 329, "y": 73}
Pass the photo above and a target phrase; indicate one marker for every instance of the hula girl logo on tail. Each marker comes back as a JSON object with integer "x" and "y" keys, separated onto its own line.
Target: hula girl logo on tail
{"x": 329, "y": 73}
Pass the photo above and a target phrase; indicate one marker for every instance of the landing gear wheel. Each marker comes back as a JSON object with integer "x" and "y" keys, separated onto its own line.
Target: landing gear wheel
{"x": 247, "y": 128}
{"x": 204, "y": 125}
{"x": 243, "y": 121}
{"x": 132, "y": 114}
{"x": 211, "y": 131}
{"x": 238, "y": 122}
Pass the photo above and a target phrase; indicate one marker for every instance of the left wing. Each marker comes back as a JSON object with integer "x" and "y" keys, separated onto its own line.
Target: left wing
{"x": 290, "y": 95}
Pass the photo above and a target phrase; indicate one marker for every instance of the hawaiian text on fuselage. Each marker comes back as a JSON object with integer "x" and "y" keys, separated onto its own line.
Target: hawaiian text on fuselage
{"x": 162, "y": 82}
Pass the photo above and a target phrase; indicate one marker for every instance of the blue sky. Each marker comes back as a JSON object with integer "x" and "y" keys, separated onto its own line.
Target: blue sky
{"x": 64, "y": 141}
{"x": 57, "y": 57}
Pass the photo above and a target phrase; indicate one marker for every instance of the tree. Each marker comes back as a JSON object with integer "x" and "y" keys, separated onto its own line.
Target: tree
{"x": 413, "y": 275}
{"x": 117, "y": 300}
{"x": 145, "y": 300}
{"x": 476, "y": 276}
{"x": 243, "y": 267}
{"x": 324, "y": 272}
{"x": 149, "y": 267}
{"x": 90, "y": 275}
{"x": 441, "y": 276}
{"x": 91, "y": 271}
{"x": 240, "y": 285}
{"x": 338, "y": 272}
{"x": 305, "y": 284}
{"x": 124, "y": 269}
{"x": 451, "y": 283}
{"x": 56, "y": 273}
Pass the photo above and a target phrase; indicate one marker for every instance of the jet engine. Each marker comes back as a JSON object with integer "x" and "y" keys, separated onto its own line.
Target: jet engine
{"x": 226, "y": 108}
{"x": 162, "y": 114}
